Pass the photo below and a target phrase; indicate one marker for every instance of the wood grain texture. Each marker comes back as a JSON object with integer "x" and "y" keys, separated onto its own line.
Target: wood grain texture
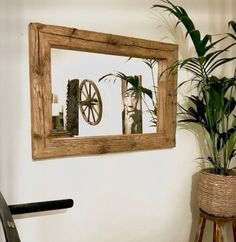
{"x": 218, "y": 226}
{"x": 46, "y": 145}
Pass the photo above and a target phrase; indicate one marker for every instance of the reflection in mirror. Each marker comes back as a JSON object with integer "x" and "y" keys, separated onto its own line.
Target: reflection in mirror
{"x": 98, "y": 94}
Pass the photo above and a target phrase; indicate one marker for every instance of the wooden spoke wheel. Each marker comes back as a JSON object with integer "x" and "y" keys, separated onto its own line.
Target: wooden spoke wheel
{"x": 90, "y": 102}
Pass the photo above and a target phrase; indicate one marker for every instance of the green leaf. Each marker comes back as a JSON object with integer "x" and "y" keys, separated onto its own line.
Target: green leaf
{"x": 202, "y": 46}
{"x": 200, "y": 107}
{"x": 146, "y": 91}
{"x": 229, "y": 105}
{"x": 191, "y": 64}
{"x": 213, "y": 107}
{"x": 232, "y": 24}
{"x": 196, "y": 38}
{"x": 224, "y": 137}
{"x": 232, "y": 154}
{"x": 210, "y": 57}
{"x": 214, "y": 43}
{"x": 219, "y": 63}
{"x": 192, "y": 70}
{"x": 231, "y": 131}
{"x": 214, "y": 56}
{"x": 150, "y": 62}
{"x": 188, "y": 24}
{"x": 233, "y": 36}
{"x": 105, "y": 76}
{"x": 188, "y": 120}
{"x": 133, "y": 80}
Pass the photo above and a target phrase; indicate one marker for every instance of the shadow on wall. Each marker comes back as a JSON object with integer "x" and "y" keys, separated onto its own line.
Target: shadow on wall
{"x": 202, "y": 148}
{"x": 194, "y": 208}
{"x": 11, "y": 108}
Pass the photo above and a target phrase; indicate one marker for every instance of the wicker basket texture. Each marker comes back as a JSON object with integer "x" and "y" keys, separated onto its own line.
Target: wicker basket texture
{"x": 217, "y": 194}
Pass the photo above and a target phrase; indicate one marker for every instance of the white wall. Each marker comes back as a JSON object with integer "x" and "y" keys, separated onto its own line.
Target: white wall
{"x": 139, "y": 196}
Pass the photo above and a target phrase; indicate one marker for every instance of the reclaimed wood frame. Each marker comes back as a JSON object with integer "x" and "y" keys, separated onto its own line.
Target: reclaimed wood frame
{"x": 46, "y": 145}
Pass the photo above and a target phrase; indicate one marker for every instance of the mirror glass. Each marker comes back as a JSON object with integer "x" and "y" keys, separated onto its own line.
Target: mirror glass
{"x": 97, "y": 94}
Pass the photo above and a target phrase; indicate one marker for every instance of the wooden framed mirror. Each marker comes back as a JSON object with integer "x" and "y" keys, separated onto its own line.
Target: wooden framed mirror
{"x": 84, "y": 92}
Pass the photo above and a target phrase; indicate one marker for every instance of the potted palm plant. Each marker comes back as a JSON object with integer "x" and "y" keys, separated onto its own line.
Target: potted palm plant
{"x": 212, "y": 107}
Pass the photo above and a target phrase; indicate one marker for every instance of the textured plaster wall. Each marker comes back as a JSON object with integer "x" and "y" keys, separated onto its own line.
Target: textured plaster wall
{"x": 144, "y": 196}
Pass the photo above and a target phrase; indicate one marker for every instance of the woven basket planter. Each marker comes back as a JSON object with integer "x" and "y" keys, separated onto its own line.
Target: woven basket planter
{"x": 217, "y": 194}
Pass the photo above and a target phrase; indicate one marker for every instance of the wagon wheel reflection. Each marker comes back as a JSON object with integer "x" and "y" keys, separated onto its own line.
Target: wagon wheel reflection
{"x": 90, "y": 102}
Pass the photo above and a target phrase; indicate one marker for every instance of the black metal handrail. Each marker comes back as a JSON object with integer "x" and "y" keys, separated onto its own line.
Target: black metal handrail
{"x": 40, "y": 206}
{"x": 6, "y": 212}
